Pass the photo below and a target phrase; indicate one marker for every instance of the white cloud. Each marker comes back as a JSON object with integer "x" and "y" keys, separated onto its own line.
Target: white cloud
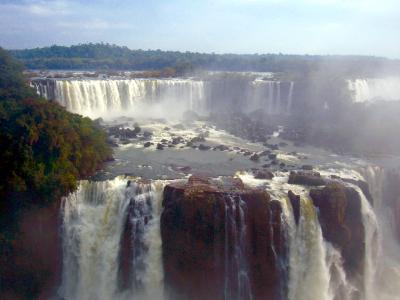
{"x": 93, "y": 24}
{"x": 39, "y": 7}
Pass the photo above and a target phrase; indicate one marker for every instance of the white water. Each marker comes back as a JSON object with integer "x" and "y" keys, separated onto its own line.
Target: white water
{"x": 386, "y": 280}
{"x": 371, "y": 246}
{"x": 374, "y": 89}
{"x": 315, "y": 267}
{"x": 267, "y": 95}
{"x": 93, "y": 222}
{"x": 308, "y": 270}
{"x": 108, "y": 98}
{"x": 95, "y": 215}
{"x": 105, "y": 98}
{"x": 236, "y": 287}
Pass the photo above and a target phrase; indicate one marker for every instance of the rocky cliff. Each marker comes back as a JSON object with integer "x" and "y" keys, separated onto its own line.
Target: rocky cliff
{"x": 199, "y": 243}
{"x": 31, "y": 266}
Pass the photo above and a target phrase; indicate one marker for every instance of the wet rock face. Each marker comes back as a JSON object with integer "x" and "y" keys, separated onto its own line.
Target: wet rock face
{"x": 391, "y": 197}
{"x": 341, "y": 222}
{"x": 31, "y": 268}
{"x": 295, "y": 202}
{"x": 198, "y": 245}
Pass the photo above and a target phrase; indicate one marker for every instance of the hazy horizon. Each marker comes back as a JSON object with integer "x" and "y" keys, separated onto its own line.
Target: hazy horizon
{"x": 313, "y": 27}
{"x": 205, "y": 52}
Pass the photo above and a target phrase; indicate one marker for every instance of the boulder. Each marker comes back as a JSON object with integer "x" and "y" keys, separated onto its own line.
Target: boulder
{"x": 147, "y": 144}
{"x": 204, "y": 147}
{"x": 221, "y": 148}
{"x": 198, "y": 139}
{"x": 272, "y": 156}
{"x": 307, "y": 167}
{"x": 255, "y": 157}
{"x": 306, "y": 178}
{"x": 263, "y": 174}
{"x": 177, "y": 140}
{"x": 147, "y": 134}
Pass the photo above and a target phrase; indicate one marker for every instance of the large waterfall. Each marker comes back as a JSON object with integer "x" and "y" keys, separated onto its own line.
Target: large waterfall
{"x": 112, "y": 244}
{"x": 104, "y": 98}
{"x": 374, "y": 89}
{"x": 152, "y": 97}
{"x": 94, "y": 219}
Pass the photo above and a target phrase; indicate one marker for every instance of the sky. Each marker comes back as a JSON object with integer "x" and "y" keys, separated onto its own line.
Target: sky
{"x": 362, "y": 27}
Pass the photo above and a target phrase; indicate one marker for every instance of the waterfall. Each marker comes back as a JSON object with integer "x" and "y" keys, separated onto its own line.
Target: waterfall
{"x": 236, "y": 287}
{"x": 44, "y": 88}
{"x": 93, "y": 222}
{"x": 371, "y": 246}
{"x": 386, "y": 270}
{"x": 270, "y": 96}
{"x": 290, "y": 98}
{"x": 308, "y": 269}
{"x": 100, "y": 98}
{"x": 278, "y": 98}
{"x": 315, "y": 266}
{"x": 372, "y": 89}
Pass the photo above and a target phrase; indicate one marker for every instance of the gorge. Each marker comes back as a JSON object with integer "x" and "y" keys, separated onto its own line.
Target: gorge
{"x": 193, "y": 207}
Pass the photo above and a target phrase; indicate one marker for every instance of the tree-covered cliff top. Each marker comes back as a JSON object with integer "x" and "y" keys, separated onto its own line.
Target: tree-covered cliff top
{"x": 105, "y": 56}
{"x": 44, "y": 149}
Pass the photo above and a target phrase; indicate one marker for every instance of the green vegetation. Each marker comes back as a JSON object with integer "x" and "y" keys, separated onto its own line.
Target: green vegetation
{"x": 44, "y": 149}
{"x": 12, "y": 82}
{"x": 105, "y": 56}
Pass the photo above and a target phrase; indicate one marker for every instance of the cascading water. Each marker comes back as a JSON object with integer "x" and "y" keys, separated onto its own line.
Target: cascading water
{"x": 93, "y": 222}
{"x": 315, "y": 266}
{"x": 99, "y": 98}
{"x": 371, "y": 246}
{"x": 237, "y": 283}
{"x": 290, "y": 98}
{"x": 270, "y": 96}
{"x": 115, "y": 97}
{"x": 384, "y": 281}
{"x": 373, "y": 89}
{"x": 308, "y": 270}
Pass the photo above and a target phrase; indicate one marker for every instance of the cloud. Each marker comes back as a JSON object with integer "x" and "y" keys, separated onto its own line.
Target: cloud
{"x": 39, "y": 7}
{"x": 93, "y": 24}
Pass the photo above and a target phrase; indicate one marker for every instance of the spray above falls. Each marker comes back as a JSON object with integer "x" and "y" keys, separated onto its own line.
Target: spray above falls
{"x": 375, "y": 89}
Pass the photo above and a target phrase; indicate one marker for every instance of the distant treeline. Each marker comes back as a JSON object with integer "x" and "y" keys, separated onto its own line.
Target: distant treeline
{"x": 111, "y": 57}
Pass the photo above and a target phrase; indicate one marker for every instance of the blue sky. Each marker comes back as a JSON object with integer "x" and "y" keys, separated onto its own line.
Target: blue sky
{"x": 367, "y": 27}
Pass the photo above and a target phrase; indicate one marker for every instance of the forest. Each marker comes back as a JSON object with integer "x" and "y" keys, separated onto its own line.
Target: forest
{"x": 44, "y": 149}
{"x": 101, "y": 56}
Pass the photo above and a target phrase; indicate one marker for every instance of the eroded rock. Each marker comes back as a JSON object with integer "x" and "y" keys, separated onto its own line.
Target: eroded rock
{"x": 306, "y": 178}
{"x": 194, "y": 233}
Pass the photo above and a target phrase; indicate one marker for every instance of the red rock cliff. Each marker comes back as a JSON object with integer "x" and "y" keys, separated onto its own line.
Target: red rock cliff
{"x": 194, "y": 239}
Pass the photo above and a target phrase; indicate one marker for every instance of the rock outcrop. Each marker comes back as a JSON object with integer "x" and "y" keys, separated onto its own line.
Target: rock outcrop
{"x": 295, "y": 202}
{"x": 197, "y": 243}
{"x": 341, "y": 222}
{"x": 306, "y": 178}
